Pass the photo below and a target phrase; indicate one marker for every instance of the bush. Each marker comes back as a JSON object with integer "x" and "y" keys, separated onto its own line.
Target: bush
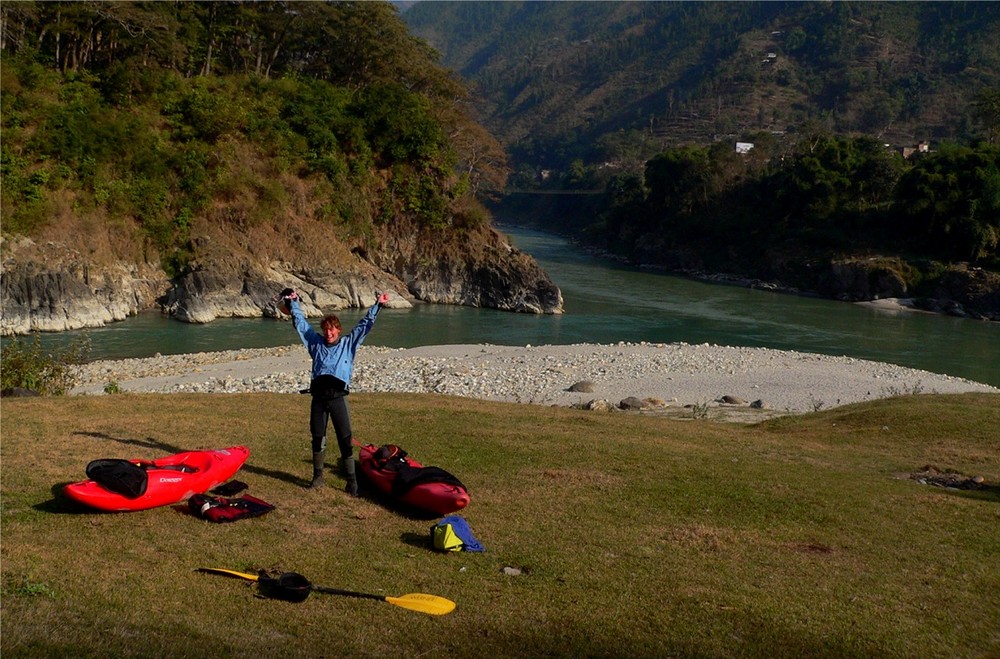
{"x": 26, "y": 365}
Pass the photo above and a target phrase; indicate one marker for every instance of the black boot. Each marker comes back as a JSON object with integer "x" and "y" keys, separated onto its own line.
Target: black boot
{"x": 319, "y": 460}
{"x": 352, "y": 477}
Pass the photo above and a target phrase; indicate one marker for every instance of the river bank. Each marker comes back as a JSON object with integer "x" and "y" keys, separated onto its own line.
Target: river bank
{"x": 608, "y": 303}
{"x": 664, "y": 377}
{"x": 957, "y": 289}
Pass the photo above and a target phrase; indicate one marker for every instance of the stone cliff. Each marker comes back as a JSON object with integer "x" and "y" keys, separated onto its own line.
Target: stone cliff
{"x": 52, "y": 286}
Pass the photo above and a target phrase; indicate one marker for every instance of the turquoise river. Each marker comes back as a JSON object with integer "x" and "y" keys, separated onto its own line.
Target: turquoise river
{"x": 609, "y": 303}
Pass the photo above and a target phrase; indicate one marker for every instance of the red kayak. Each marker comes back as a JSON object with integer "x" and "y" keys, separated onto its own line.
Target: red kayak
{"x": 428, "y": 489}
{"x": 140, "y": 484}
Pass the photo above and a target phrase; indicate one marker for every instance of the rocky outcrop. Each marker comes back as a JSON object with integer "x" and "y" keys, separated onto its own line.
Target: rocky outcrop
{"x": 956, "y": 289}
{"x": 209, "y": 292}
{"x": 864, "y": 279}
{"x": 965, "y": 291}
{"x": 480, "y": 269}
{"x": 52, "y": 287}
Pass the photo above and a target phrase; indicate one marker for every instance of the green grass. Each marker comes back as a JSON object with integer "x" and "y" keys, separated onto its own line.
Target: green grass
{"x": 636, "y": 536}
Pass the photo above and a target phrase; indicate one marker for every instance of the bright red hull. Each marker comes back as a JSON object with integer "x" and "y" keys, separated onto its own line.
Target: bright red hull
{"x": 437, "y": 498}
{"x": 166, "y": 486}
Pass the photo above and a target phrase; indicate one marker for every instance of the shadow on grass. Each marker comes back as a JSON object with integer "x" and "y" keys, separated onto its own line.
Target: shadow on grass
{"x": 385, "y": 500}
{"x": 985, "y": 493}
{"x": 168, "y": 448}
{"x": 60, "y": 504}
{"x": 421, "y": 541}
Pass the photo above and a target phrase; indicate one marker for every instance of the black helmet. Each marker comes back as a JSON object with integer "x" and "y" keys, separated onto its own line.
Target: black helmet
{"x": 289, "y": 586}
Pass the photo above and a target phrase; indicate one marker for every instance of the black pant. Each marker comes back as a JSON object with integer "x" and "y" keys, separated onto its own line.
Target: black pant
{"x": 326, "y": 408}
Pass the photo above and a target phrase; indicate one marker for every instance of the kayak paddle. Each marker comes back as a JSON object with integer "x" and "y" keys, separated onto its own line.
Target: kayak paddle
{"x": 294, "y": 587}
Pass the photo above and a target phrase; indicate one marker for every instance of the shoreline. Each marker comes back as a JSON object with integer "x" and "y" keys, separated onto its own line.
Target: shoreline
{"x": 943, "y": 306}
{"x": 669, "y": 377}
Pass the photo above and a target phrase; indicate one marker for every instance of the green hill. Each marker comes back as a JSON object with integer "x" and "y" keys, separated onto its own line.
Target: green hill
{"x": 623, "y": 121}
{"x": 620, "y": 81}
{"x": 159, "y": 115}
{"x": 200, "y": 156}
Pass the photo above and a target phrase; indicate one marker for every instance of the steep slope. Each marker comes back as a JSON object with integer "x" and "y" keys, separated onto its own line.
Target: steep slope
{"x": 603, "y": 80}
{"x": 199, "y": 157}
{"x": 49, "y": 284}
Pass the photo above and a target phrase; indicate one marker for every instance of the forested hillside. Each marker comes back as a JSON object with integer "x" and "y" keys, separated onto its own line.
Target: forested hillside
{"x": 623, "y": 120}
{"x": 152, "y": 111}
{"x": 618, "y": 82}
{"x": 226, "y": 146}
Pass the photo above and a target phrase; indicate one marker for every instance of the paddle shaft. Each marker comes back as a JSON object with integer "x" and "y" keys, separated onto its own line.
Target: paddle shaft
{"x": 318, "y": 589}
{"x": 347, "y": 593}
{"x": 431, "y": 604}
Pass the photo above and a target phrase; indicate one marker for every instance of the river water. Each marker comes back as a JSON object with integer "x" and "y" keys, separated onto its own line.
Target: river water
{"x": 607, "y": 303}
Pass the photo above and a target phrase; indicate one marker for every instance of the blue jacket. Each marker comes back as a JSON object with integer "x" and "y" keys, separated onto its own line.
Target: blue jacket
{"x": 462, "y": 529}
{"x": 338, "y": 359}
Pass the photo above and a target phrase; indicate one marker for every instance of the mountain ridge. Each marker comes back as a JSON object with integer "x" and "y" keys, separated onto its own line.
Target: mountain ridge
{"x": 603, "y": 80}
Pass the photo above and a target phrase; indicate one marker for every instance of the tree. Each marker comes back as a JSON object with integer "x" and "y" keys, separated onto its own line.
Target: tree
{"x": 679, "y": 180}
{"x": 987, "y": 111}
{"x": 482, "y": 158}
{"x": 949, "y": 202}
{"x": 143, "y": 111}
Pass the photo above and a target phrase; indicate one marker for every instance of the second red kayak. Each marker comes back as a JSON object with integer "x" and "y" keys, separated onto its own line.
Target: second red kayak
{"x": 168, "y": 480}
{"x": 396, "y": 474}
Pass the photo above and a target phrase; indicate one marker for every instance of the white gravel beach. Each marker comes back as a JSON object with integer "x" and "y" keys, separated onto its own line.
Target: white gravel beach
{"x": 672, "y": 376}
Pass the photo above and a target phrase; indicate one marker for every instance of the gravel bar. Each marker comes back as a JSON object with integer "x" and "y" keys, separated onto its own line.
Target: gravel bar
{"x": 665, "y": 375}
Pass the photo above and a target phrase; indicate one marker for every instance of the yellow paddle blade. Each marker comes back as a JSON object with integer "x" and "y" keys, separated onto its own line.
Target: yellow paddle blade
{"x": 432, "y": 604}
{"x": 219, "y": 570}
{"x": 422, "y": 602}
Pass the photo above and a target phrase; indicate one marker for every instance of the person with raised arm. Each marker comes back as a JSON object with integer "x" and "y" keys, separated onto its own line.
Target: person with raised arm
{"x": 333, "y": 356}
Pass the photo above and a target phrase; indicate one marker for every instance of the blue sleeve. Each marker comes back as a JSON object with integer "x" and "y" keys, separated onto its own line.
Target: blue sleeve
{"x": 364, "y": 325}
{"x": 306, "y": 333}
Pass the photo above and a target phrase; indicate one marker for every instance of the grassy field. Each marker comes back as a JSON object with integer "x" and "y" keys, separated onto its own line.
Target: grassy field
{"x": 634, "y": 536}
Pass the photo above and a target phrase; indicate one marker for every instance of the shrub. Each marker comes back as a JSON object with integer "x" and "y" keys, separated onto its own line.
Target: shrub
{"x": 26, "y": 365}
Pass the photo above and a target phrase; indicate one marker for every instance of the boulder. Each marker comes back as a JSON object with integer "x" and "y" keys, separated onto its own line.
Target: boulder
{"x": 630, "y": 403}
{"x": 599, "y": 405}
{"x": 18, "y": 392}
